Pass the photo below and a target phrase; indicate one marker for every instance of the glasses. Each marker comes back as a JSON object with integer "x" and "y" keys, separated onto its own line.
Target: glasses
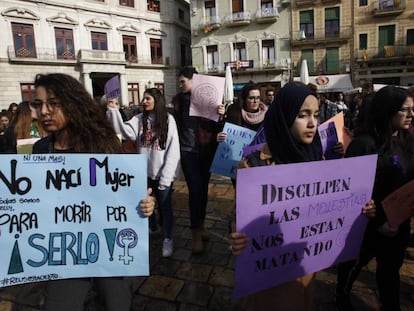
{"x": 51, "y": 104}
{"x": 270, "y": 95}
{"x": 253, "y": 97}
{"x": 406, "y": 110}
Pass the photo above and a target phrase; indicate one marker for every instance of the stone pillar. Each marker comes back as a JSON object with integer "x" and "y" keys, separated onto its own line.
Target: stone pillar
{"x": 124, "y": 89}
{"x": 87, "y": 82}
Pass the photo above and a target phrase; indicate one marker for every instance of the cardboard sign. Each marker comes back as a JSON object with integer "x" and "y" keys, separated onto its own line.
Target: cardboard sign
{"x": 72, "y": 215}
{"x": 300, "y": 218}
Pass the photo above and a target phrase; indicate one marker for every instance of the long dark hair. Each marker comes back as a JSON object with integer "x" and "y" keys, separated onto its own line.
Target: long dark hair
{"x": 160, "y": 124}
{"x": 380, "y": 112}
{"x": 88, "y": 129}
{"x": 23, "y": 122}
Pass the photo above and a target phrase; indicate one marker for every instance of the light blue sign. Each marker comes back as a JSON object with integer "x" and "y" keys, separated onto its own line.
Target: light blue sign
{"x": 72, "y": 215}
{"x": 230, "y": 151}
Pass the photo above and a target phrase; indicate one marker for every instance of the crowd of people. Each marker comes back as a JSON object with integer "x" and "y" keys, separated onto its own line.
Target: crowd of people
{"x": 380, "y": 122}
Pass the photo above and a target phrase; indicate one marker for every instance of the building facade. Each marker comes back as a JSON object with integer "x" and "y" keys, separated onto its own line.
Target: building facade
{"x": 322, "y": 33}
{"x": 145, "y": 43}
{"x": 251, "y": 36}
{"x": 384, "y": 42}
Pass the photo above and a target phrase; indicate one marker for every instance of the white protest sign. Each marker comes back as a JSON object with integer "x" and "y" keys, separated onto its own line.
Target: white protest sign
{"x": 72, "y": 215}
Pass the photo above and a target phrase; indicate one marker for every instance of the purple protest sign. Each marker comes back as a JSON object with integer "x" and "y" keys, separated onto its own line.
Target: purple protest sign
{"x": 112, "y": 88}
{"x": 329, "y": 138}
{"x": 300, "y": 218}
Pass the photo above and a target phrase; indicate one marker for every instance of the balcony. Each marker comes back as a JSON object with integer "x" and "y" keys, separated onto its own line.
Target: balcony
{"x": 210, "y": 23}
{"x": 247, "y": 67}
{"x": 391, "y": 52}
{"x": 388, "y": 7}
{"x": 330, "y": 1}
{"x": 304, "y": 2}
{"x": 267, "y": 15}
{"x": 39, "y": 55}
{"x": 100, "y": 56}
{"x": 321, "y": 36}
{"x": 238, "y": 19}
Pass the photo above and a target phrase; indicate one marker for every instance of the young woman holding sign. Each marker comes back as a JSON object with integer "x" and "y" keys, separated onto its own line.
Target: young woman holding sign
{"x": 156, "y": 136}
{"x": 291, "y": 137}
{"x": 77, "y": 124}
{"x": 385, "y": 132}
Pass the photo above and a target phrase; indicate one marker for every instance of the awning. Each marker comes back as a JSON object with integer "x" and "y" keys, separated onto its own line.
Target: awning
{"x": 330, "y": 83}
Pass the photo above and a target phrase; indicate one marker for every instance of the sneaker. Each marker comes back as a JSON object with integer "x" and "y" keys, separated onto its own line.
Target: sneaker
{"x": 167, "y": 248}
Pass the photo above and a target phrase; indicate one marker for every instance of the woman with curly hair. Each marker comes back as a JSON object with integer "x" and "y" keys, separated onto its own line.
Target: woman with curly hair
{"x": 77, "y": 124}
{"x": 156, "y": 135}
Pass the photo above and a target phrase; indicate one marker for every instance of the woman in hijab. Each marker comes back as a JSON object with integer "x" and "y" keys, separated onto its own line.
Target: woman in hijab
{"x": 291, "y": 137}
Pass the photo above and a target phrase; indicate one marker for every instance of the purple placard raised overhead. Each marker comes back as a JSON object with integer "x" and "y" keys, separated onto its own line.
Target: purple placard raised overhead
{"x": 300, "y": 218}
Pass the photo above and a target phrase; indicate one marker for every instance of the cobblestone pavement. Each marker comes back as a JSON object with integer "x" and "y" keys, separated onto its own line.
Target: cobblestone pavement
{"x": 187, "y": 282}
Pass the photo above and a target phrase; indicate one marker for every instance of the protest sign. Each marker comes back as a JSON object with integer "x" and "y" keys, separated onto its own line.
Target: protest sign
{"x": 229, "y": 152}
{"x": 112, "y": 88}
{"x": 300, "y": 218}
{"x": 329, "y": 138}
{"x": 206, "y": 94}
{"x": 399, "y": 205}
{"x": 72, "y": 215}
{"x": 341, "y": 131}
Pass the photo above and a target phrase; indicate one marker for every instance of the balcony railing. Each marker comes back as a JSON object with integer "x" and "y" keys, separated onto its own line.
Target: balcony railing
{"x": 322, "y": 35}
{"x": 388, "y": 51}
{"x": 279, "y": 64}
{"x": 388, "y": 7}
{"x": 38, "y": 54}
{"x": 267, "y": 15}
{"x": 304, "y": 2}
{"x": 210, "y": 23}
{"x": 238, "y": 19}
{"x": 101, "y": 56}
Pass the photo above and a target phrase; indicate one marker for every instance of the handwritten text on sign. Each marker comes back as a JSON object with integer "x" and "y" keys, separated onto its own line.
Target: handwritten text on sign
{"x": 300, "y": 218}
{"x": 71, "y": 215}
{"x": 230, "y": 151}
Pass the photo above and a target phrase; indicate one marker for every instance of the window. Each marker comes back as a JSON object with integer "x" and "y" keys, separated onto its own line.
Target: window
{"x": 306, "y": 23}
{"x": 308, "y": 55}
{"x": 212, "y": 57}
{"x": 24, "y": 40}
{"x": 267, "y": 4}
{"x": 153, "y": 5}
{"x": 133, "y": 93}
{"x": 237, "y": 6}
{"x": 156, "y": 51}
{"x": 332, "y": 22}
{"x": 210, "y": 10}
{"x": 181, "y": 15}
{"x": 129, "y": 3}
{"x": 160, "y": 87}
{"x": 64, "y": 43}
{"x": 99, "y": 41}
{"x": 332, "y": 60}
{"x": 386, "y": 40}
{"x": 28, "y": 91}
{"x": 184, "y": 55}
{"x": 268, "y": 52}
{"x": 239, "y": 51}
{"x": 363, "y": 2}
{"x": 363, "y": 41}
{"x": 130, "y": 48}
{"x": 410, "y": 36}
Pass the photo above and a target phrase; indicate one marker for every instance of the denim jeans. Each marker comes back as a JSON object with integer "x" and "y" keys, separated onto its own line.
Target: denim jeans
{"x": 196, "y": 169}
{"x": 165, "y": 210}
